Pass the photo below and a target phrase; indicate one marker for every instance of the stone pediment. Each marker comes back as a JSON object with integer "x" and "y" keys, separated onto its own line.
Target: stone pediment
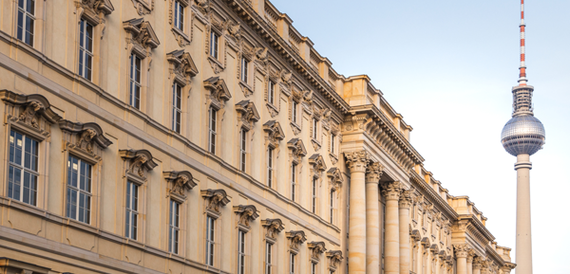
{"x": 335, "y": 257}
{"x": 317, "y": 248}
{"x": 215, "y": 198}
{"x": 247, "y": 113}
{"x": 335, "y": 177}
{"x": 318, "y": 163}
{"x": 91, "y": 133}
{"x": 142, "y": 34}
{"x": 297, "y": 148}
{"x": 273, "y": 227}
{"x": 182, "y": 65}
{"x": 219, "y": 92}
{"x": 180, "y": 182}
{"x": 140, "y": 162}
{"x": 296, "y": 237}
{"x": 32, "y": 113}
{"x": 94, "y": 10}
{"x": 246, "y": 214}
{"x": 274, "y": 132}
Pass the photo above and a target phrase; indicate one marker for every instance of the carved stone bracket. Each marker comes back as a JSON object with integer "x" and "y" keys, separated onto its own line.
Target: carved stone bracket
{"x": 335, "y": 258}
{"x": 179, "y": 182}
{"x": 335, "y": 177}
{"x": 357, "y": 161}
{"x": 317, "y": 248}
{"x": 296, "y": 238}
{"x": 247, "y": 113}
{"x": 392, "y": 190}
{"x": 32, "y": 112}
{"x": 374, "y": 172}
{"x": 461, "y": 250}
{"x": 181, "y": 66}
{"x": 140, "y": 162}
{"x": 142, "y": 37}
{"x": 215, "y": 198}
{"x": 274, "y": 132}
{"x": 246, "y": 214}
{"x": 297, "y": 148}
{"x": 272, "y": 227}
{"x": 318, "y": 163}
{"x": 87, "y": 139}
{"x": 219, "y": 92}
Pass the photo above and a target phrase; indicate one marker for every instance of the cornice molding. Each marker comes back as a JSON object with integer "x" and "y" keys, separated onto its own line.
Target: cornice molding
{"x": 425, "y": 189}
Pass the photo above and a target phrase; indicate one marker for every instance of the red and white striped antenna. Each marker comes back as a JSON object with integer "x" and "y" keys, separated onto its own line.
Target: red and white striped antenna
{"x": 522, "y": 68}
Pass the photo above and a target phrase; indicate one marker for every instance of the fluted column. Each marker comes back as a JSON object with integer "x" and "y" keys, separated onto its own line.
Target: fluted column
{"x": 357, "y": 163}
{"x": 373, "y": 174}
{"x": 461, "y": 252}
{"x": 391, "y": 192}
{"x": 405, "y": 202}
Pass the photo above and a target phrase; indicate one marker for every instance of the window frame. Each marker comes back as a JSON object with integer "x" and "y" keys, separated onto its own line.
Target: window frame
{"x": 268, "y": 257}
{"x": 332, "y": 205}
{"x": 293, "y": 183}
{"x": 241, "y": 246}
{"x": 135, "y": 83}
{"x": 177, "y": 95}
{"x": 85, "y": 69}
{"x": 23, "y": 169}
{"x": 174, "y": 226}
{"x": 314, "y": 195}
{"x": 210, "y": 240}
{"x": 294, "y": 111}
{"x": 130, "y": 212}
{"x": 292, "y": 262}
{"x": 24, "y": 13}
{"x": 88, "y": 194}
{"x": 178, "y": 15}
{"x": 315, "y": 125}
{"x": 214, "y": 43}
{"x": 212, "y": 129}
{"x": 243, "y": 134}
{"x": 244, "y": 70}
{"x": 271, "y": 92}
{"x": 270, "y": 166}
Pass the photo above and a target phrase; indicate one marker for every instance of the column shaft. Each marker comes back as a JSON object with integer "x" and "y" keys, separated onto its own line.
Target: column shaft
{"x": 405, "y": 202}
{"x": 372, "y": 229}
{"x": 357, "y": 225}
{"x": 392, "y": 240}
{"x": 524, "y": 243}
{"x": 461, "y": 265}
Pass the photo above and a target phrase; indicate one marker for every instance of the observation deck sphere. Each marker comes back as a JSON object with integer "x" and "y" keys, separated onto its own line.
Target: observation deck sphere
{"x": 523, "y": 134}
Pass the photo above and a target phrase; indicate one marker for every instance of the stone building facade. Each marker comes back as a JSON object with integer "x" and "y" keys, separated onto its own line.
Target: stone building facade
{"x": 208, "y": 136}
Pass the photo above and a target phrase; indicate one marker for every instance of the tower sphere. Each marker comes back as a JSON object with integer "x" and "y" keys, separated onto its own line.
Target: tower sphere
{"x": 523, "y": 134}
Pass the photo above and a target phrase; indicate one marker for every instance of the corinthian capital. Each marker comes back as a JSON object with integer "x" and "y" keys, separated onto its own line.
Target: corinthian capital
{"x": 406, "y": 199}
{"x": 374, "y": 172}
{"x": 357, "y": 160}
{"x": 392, "y": 190}
{"x": 461, "y": 250}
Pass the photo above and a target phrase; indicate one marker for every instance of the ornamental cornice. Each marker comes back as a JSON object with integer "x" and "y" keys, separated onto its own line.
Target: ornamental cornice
{"x": 435, "y": 198}
{"x": 476, "y": 228}
{"x": 279, "y": 45}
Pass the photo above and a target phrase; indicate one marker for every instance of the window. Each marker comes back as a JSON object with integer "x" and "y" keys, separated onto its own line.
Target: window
{"x": 270, "y": 167}
{"x": 214, "y": 39}
{"x": 268, "y": 259}
{"x": 85, "y": 49}
{"x": 135, "y": 82}
{"x": 293, "y": 179}
{"x": 294, "y": 111}
{"x": 242, "y": 149}
{"x": 26, "y": 20}
{"x": 333, "y": 144}
{"x": 212, "y": 130}
{"x": 78, "y": 204}
{"x": 244, "y": 69}
{"x": 314, "y": 196}
{"x": 271, "y": 92}
{"x": 178, "y": 15}
{"x": 241, "y": 252}
{"x": 315, "y": 128}
{"x": 210, "y": 230}
{"x": 313, "y": 268}
{"x": 23, "y": 169}
{"x": 132, "y": 214}
{"x": 331, "y": 209}
{"x": 176, "y": 107}
{"x": 292, "y": 263}
{"x": 174, "y": 227}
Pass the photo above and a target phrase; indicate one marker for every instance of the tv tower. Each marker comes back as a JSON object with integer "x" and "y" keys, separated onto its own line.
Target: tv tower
{"x": 523, "y": 136}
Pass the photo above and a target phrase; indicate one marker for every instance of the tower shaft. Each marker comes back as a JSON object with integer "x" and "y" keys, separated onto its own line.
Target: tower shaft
{"x": 524, "y": 239}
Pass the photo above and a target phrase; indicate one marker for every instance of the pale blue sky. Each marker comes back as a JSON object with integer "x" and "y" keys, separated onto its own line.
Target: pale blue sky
{"x": 448, "y": 68}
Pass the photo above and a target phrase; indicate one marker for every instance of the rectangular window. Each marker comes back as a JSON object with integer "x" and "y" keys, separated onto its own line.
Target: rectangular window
{"x": 174, "y": 227}
{"x": 268, "y": 258}
{"x": 78, "y": 206}
{"x": 212, "y": 130}
{"x": 331, "y": 209}
{"x": 293, "y": 179}
{"x": 210, "y": 243}
{"x": 313, "y": 268}
{"x": 135, "y": 82}
{"x": 132, "y": 213}
{"x": 23, "y": 169}
{"x": 333, "y": 144}
{"x": 178, "y": 15}
{"x": 294, "y": 111}
{"x": 214, "y": 44}
{"x": 176, "y": 107}
{"x": 244, "y": 69}
{"x": 241, "y": 252}
{"x": 242, "y": 149}
{"x": 271, "y": 92}
{"x": 314, "y": 196}
{"x": 270, "y": 167}
{"x": 85, "y": 49}
{"x": 26, "y": 20}
{"x": 315, "y": 129}
{"x": 292, "y": 263}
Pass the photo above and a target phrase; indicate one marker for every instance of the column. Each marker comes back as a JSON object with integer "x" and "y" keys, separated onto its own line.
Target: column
{"x": 470, "y": 261}
{"x": 391, "y": 192}
{"x": 477, "y": 265}
{"x": 373, "y": 174}
{"x": 357, "y": 162}
{"x": 523, "y": 245}
{"x": 405, "y": 203}
{"x": 461, "y": 251}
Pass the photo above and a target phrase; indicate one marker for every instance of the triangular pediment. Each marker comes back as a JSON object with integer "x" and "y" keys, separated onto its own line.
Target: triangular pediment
{"x": 297, "y": 146}
{"x": 183, "y": 62}
{"x": 142, "y": 32}
{"x": 218, "y": 88}
{"x": 248, "y": 111}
